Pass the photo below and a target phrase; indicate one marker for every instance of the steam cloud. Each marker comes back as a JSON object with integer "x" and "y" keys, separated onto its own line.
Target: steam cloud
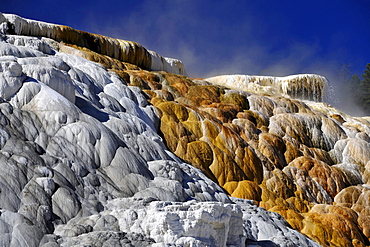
{"x": 226, "y": 37}
{"x": 210, "y": 42}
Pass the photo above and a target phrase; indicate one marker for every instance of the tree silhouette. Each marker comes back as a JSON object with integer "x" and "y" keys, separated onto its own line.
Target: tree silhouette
{"x": 364, "y": 90}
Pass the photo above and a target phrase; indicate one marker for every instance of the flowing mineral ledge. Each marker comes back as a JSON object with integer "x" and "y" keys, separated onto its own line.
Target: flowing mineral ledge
{"x": 303, "y": 86}
{"x": 126, "y": 51}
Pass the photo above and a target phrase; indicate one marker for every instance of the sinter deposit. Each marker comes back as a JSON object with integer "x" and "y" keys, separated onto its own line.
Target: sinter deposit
{"x": 105, "y": 143}
{"x": 304, "y": 86}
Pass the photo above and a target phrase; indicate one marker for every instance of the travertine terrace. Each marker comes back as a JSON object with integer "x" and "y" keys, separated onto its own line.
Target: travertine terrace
{"x": 103, "y": 142}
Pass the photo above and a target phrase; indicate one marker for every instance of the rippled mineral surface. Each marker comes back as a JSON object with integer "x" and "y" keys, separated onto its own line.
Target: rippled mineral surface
{"x": 105, "y": 143}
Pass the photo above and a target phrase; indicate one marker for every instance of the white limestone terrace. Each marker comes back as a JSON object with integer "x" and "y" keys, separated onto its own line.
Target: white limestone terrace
{"x": 126, "y": 51}
{"x": 81, "y": 163}
{"x": 301, "y": 86}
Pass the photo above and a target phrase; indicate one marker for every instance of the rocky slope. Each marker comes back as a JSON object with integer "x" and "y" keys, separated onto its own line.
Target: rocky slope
{"x": 97, "y": 135}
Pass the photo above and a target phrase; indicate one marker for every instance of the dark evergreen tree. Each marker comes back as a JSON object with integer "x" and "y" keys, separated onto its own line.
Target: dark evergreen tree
{"x": 355, "y": 82}
{"x": 364, "y": 90}
{"x": 366, "y": 75}
{"x": 354, "y": 86}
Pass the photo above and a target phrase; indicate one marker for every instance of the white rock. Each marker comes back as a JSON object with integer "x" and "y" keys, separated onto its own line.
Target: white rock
{"x": 47, "y": 184}
{"x": 11, "y": 78}
{"x": 75, "y": 141}
{"x": 304, "y": 86}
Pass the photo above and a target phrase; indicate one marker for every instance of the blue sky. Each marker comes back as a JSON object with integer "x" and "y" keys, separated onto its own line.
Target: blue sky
{"x": 260, "y": 37}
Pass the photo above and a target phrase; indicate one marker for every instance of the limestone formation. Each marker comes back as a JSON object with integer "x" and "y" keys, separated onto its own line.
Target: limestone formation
{"x": 102, "y": 144}
{"x": 304, "y": 86}
{"x": 286, "y": 155}
{"x": 125, "y": 51}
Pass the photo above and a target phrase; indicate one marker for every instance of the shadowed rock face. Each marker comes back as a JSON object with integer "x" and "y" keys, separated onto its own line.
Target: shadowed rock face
{"x": 89, "y": 153}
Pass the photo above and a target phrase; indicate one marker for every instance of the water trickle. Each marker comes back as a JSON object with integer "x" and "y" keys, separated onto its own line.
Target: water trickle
{"x": 330, "y": 94}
